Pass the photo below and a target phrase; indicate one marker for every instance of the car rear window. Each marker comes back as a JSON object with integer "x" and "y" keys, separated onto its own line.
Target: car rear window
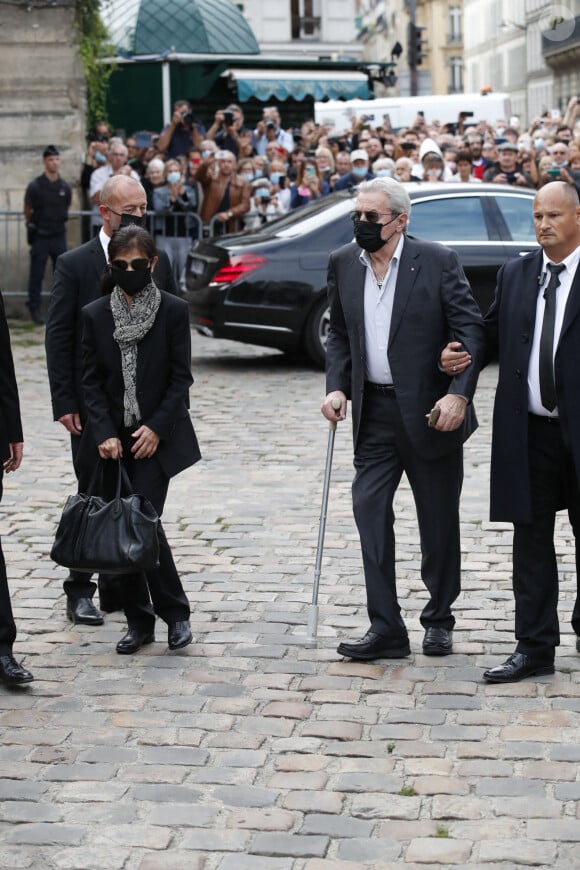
{"x": 449, "y": 219}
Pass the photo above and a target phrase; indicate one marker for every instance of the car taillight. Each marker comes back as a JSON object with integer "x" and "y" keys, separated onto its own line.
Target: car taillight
{"x": 237, "y": 267}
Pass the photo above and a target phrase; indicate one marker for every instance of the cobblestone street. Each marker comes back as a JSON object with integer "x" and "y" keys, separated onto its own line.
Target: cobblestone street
{"x": 250, "y": 749}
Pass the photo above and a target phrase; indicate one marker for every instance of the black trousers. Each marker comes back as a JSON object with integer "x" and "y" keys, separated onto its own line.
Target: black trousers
{"x": 382, "y": 455}
{"x": 158, "y": 592}
{"x": 554, "y": 485}
{"x": 7, "y": 624}
{"x": 41, "y": 249}
{"x": 79, "y": 584}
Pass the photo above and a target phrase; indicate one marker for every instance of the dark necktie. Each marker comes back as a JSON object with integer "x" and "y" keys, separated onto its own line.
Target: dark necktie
{"x": 547, "y": 384}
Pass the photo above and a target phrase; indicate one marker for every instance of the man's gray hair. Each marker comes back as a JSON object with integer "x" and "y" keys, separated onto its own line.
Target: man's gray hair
{"x": 399, "y": 200}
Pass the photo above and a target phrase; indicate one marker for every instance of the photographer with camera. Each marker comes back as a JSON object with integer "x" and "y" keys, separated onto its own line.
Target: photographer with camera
{"x": 179, "y": 135}
{"x": 264, "y": 205}
{"x": 559, "y": 168}
{"x": 227, "y": 130}
{"x": 269, "y": 129}
{"x": 507, "y": 170}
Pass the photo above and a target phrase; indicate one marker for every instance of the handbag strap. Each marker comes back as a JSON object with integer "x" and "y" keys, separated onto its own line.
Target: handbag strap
{"x": 123, "y": 483}
{"x": 96, "y": 477}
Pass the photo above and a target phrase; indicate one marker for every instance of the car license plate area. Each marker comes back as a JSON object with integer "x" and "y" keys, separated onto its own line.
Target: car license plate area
{"x": 197, "y": 267}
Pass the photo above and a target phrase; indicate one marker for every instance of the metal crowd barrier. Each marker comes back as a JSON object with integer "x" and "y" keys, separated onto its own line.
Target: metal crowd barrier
{"x": 14, "y": 250}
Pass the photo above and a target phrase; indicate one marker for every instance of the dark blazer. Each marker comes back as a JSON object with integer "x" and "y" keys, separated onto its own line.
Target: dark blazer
{"x": 163, "y": 381}
{"x": 510, "y": 324}
{"x": 10, "y": 422}
{"x": 10, "y": 433}
{"x": 77, "y": 281}
{"x": 433, "y": 305}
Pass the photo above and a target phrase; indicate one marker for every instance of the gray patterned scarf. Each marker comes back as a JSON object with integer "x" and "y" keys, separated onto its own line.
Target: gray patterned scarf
{"x": 131, "y": 325}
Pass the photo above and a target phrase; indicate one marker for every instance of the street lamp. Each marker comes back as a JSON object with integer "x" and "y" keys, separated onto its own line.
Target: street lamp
{"x": 511, "y": 25}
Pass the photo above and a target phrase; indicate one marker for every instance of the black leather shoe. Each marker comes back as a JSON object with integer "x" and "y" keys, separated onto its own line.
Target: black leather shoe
{"x": 12, "y": 673}
{"x": 518, "y": 666}
{"x": 179, "y": 635}
{"x": 578, "y": 644}
{"x": 134, "y": 640}
{"x": 375, "y": 646}
{"x": 82, "y": 611}
{"x": 438, "y": 642}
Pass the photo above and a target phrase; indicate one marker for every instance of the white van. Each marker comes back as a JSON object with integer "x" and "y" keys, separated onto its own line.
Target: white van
{"x": 402, "y": 111}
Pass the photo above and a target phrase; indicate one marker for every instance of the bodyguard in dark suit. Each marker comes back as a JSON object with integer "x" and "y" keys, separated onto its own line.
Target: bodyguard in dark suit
{"x": 394, "y": 303}
{"x": 11, "y": 445}
{"x": 136, "y": 379}
{"x": 77, "y": 281}
{"x": 533, "y": 326}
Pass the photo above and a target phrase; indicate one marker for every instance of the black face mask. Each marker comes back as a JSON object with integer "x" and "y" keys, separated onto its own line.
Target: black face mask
{"x": 128, "y": 220}
{"x": 368, "y": 235}
{"x": 131, "y": 282}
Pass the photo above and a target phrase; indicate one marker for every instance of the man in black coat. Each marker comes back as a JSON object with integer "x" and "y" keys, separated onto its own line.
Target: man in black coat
{"x": 77, "y": 281}
{"x": 535, "y": 467}
{"x": 394, "y": 300}
{"x": 11, "y": 444}
{"x": 533, "y": 327}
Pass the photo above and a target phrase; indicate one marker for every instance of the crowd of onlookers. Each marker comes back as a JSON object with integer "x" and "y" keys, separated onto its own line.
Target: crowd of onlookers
{"x": 234, "y": 177}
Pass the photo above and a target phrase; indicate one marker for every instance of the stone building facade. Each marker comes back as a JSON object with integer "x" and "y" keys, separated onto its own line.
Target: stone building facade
{"x": 42, "y": 101}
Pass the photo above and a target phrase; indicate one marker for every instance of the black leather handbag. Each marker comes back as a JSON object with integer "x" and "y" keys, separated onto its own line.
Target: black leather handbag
{"x": 117, "y": 536}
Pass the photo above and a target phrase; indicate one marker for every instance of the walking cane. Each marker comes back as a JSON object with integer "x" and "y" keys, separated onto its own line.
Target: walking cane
{"x": 313, "y": 612}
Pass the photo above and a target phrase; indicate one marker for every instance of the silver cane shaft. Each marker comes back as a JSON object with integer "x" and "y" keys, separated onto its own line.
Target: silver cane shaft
{"x": 313, "y": 612}
{"x": 323, "y": 512}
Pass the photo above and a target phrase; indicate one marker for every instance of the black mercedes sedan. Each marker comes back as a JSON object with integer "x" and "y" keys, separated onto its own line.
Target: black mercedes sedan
{"x": 268, "y": 287}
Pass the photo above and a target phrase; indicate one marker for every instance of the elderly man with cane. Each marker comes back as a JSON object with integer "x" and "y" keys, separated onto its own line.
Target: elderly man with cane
{"x": 394, "y": 303}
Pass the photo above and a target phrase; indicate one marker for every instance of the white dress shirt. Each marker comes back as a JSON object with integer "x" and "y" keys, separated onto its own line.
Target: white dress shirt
{"x": 562, "y": 293}
{"x": 378, "y": 309}
{"x": 104, "y": 240}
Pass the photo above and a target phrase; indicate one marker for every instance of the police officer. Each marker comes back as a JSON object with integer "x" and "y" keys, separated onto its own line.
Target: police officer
{"x": 46, "y": 204}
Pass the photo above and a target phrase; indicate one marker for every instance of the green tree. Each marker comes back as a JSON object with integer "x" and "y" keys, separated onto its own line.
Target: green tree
{"x": 94, "y": 45}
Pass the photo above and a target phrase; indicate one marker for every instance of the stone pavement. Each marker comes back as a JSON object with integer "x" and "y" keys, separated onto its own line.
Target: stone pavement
{"x": 250, "y": 749}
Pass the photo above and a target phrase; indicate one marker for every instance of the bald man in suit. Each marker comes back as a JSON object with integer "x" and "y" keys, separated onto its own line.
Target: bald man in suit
{"x": 533, "y": 328}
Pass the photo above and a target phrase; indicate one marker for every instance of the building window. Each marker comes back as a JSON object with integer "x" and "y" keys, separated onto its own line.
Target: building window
{"x": 455, "y": 75}
{"x": 455, "y": 24}
{"x": 305, "y": 16}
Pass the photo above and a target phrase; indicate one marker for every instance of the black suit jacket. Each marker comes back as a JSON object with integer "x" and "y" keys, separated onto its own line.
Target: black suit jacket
{"x": 77, "y": 281}
{"x": 433, "y": 304}
{"x": 163, "y": 381}
{"x": 10, "y": 422}
{"x": 510, "y": 324}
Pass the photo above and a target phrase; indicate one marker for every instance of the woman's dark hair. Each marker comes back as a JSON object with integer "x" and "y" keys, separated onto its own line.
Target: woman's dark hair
{"x": 124, "y": 239}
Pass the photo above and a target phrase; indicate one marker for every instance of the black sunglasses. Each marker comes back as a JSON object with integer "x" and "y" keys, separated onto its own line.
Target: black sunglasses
{"x": 138, "y": 265}
{"x": 371, "y": 216}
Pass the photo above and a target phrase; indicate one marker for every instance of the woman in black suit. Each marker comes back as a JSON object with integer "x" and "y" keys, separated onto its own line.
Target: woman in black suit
{"x": 136, "y": 379}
